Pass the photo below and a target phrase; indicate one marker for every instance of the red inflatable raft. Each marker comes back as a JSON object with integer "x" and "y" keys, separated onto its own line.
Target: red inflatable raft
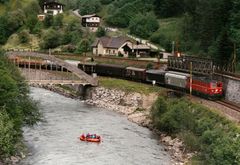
{"x": 90, "y": 138}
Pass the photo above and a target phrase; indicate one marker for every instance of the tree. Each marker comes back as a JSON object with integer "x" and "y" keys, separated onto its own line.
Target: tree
{"x": 169, "y": 8}
{"x": 41, "y": 3}
{"x": 48, "y": 21}
{"x": 4, "y": 32}
{"x": 143, "y": 26}
{"x": 83, "y": 46}
{"x": 105, "y": 2}
{"x": 3, "y": 1}
{"x": 100, "y": 32}
{"x": 203, "y": 22}
{"x": 15, "y": 20}
{"x": 122, "y": 12}
{"x": 89, "y": 6}
{"x": 32, "y": 9}
{"x": 58, "y": 21}
{"x": 23, "y": 36}
{"x": 37, "y": 28}
{"x": 31, "y": 23}
{"x": 51, "y": 39}
{"x": 224, "y": 50}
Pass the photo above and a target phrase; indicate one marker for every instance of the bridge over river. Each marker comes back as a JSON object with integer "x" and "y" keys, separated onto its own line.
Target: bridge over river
{"x": 77, "y": 76}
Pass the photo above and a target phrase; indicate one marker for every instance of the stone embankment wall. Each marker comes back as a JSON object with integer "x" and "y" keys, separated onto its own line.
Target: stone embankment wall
{"x": 134, "y": 105}
{"x": 232, "y": 89}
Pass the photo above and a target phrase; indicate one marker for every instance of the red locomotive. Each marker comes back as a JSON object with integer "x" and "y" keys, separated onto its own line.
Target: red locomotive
{"x": 206, "y": 87}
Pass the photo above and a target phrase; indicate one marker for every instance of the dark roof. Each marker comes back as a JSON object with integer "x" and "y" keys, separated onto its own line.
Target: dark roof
{"x": 53, "y": 2}
{"x": 110, "y": 42}
{"x": 110, "y": 66}
{"x": 90, "y": 15}
{"x": 141, "y": 46}
{"x": 156, "y": 71}
{"x": 135, "y": 69}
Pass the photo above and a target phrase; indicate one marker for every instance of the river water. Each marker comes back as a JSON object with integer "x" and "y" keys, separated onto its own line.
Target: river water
{"x": 55, "y": 140}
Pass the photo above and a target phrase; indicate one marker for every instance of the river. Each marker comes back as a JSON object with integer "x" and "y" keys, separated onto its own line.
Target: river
{"x": 54, "y": 141}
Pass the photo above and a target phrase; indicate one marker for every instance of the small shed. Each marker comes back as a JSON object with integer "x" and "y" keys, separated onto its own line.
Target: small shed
{"x": 141, "y": 50}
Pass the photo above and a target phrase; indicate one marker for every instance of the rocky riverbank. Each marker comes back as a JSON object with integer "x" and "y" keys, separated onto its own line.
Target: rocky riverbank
{"x": 135, "y": 106}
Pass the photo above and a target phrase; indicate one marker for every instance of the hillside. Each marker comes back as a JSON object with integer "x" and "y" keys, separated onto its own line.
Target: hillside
{"x": 196, "y": 27}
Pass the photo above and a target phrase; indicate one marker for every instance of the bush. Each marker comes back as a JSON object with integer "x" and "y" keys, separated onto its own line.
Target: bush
{"x": 51, "y": 39}
{"x": 101, "y": 32}
{"x": 149, "y": 66}
{"x": 215, "y": 138}
{"x": 143, "y": 26}
{"x": 89, "y": 6}
{"x": 83, "y": 46}
{"x": 162, "y": 40}
{"x": 105, "y": 2}
{"x": 23, "y": 36}
{"x": 191, "y": 141}
{"x": 7, "y": 134}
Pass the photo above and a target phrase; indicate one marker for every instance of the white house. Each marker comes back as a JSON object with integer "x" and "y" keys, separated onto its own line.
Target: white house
{"x": 107, "y": 46}
{"x": 52, "y": 8}
{"x": 91, "y": 21}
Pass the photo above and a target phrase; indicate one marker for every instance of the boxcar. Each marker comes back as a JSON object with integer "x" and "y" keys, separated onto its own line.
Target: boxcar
{"x": 136, "y": 74}
{"x": 156, "y": 75}
{"x": 89, "y": 68}
{"x": 177, "y": 80}
{"x": 111, "y": 70}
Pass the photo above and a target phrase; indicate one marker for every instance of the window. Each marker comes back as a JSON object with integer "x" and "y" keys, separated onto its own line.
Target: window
{"x": 213, "y": 85}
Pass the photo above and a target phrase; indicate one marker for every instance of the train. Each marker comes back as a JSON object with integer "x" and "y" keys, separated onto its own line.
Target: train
{"x": 200, "y": 85}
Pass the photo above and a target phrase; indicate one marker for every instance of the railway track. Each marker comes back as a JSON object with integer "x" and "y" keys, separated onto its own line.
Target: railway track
{"x": 229, "y": 105}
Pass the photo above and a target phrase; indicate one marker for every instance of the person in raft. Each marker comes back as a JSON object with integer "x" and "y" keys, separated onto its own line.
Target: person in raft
{"x": 88, "y": 135}
{"x": 83, "y": 136}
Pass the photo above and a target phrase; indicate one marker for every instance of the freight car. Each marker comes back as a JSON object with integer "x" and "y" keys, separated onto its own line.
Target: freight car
{"x": 177, "y": 80}
{"x": 89, "y": 68}
{"x": 156, "y": 75}
{"x": 136, "y": 74}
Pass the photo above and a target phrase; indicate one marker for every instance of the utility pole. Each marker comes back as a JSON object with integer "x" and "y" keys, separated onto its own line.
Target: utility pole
{"x": 190, "y": 79}
{"x": 173, "y": 45}
{"x": 234, "y": 58}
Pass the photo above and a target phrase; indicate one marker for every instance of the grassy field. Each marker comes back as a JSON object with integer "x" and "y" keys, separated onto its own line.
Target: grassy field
{"x": 14, "y": 43}
{"x": 170, "y": 27}
{"x": 69, "y": 17}
{"x": 129, "y": 86}
{"x": 14, "y": 5}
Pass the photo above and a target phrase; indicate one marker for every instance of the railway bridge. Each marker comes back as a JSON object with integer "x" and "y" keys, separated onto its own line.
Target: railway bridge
{"x": 77, "y": 76}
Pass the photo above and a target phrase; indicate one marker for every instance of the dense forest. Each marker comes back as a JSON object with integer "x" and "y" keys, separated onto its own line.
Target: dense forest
{"x": 207, "y": 27}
